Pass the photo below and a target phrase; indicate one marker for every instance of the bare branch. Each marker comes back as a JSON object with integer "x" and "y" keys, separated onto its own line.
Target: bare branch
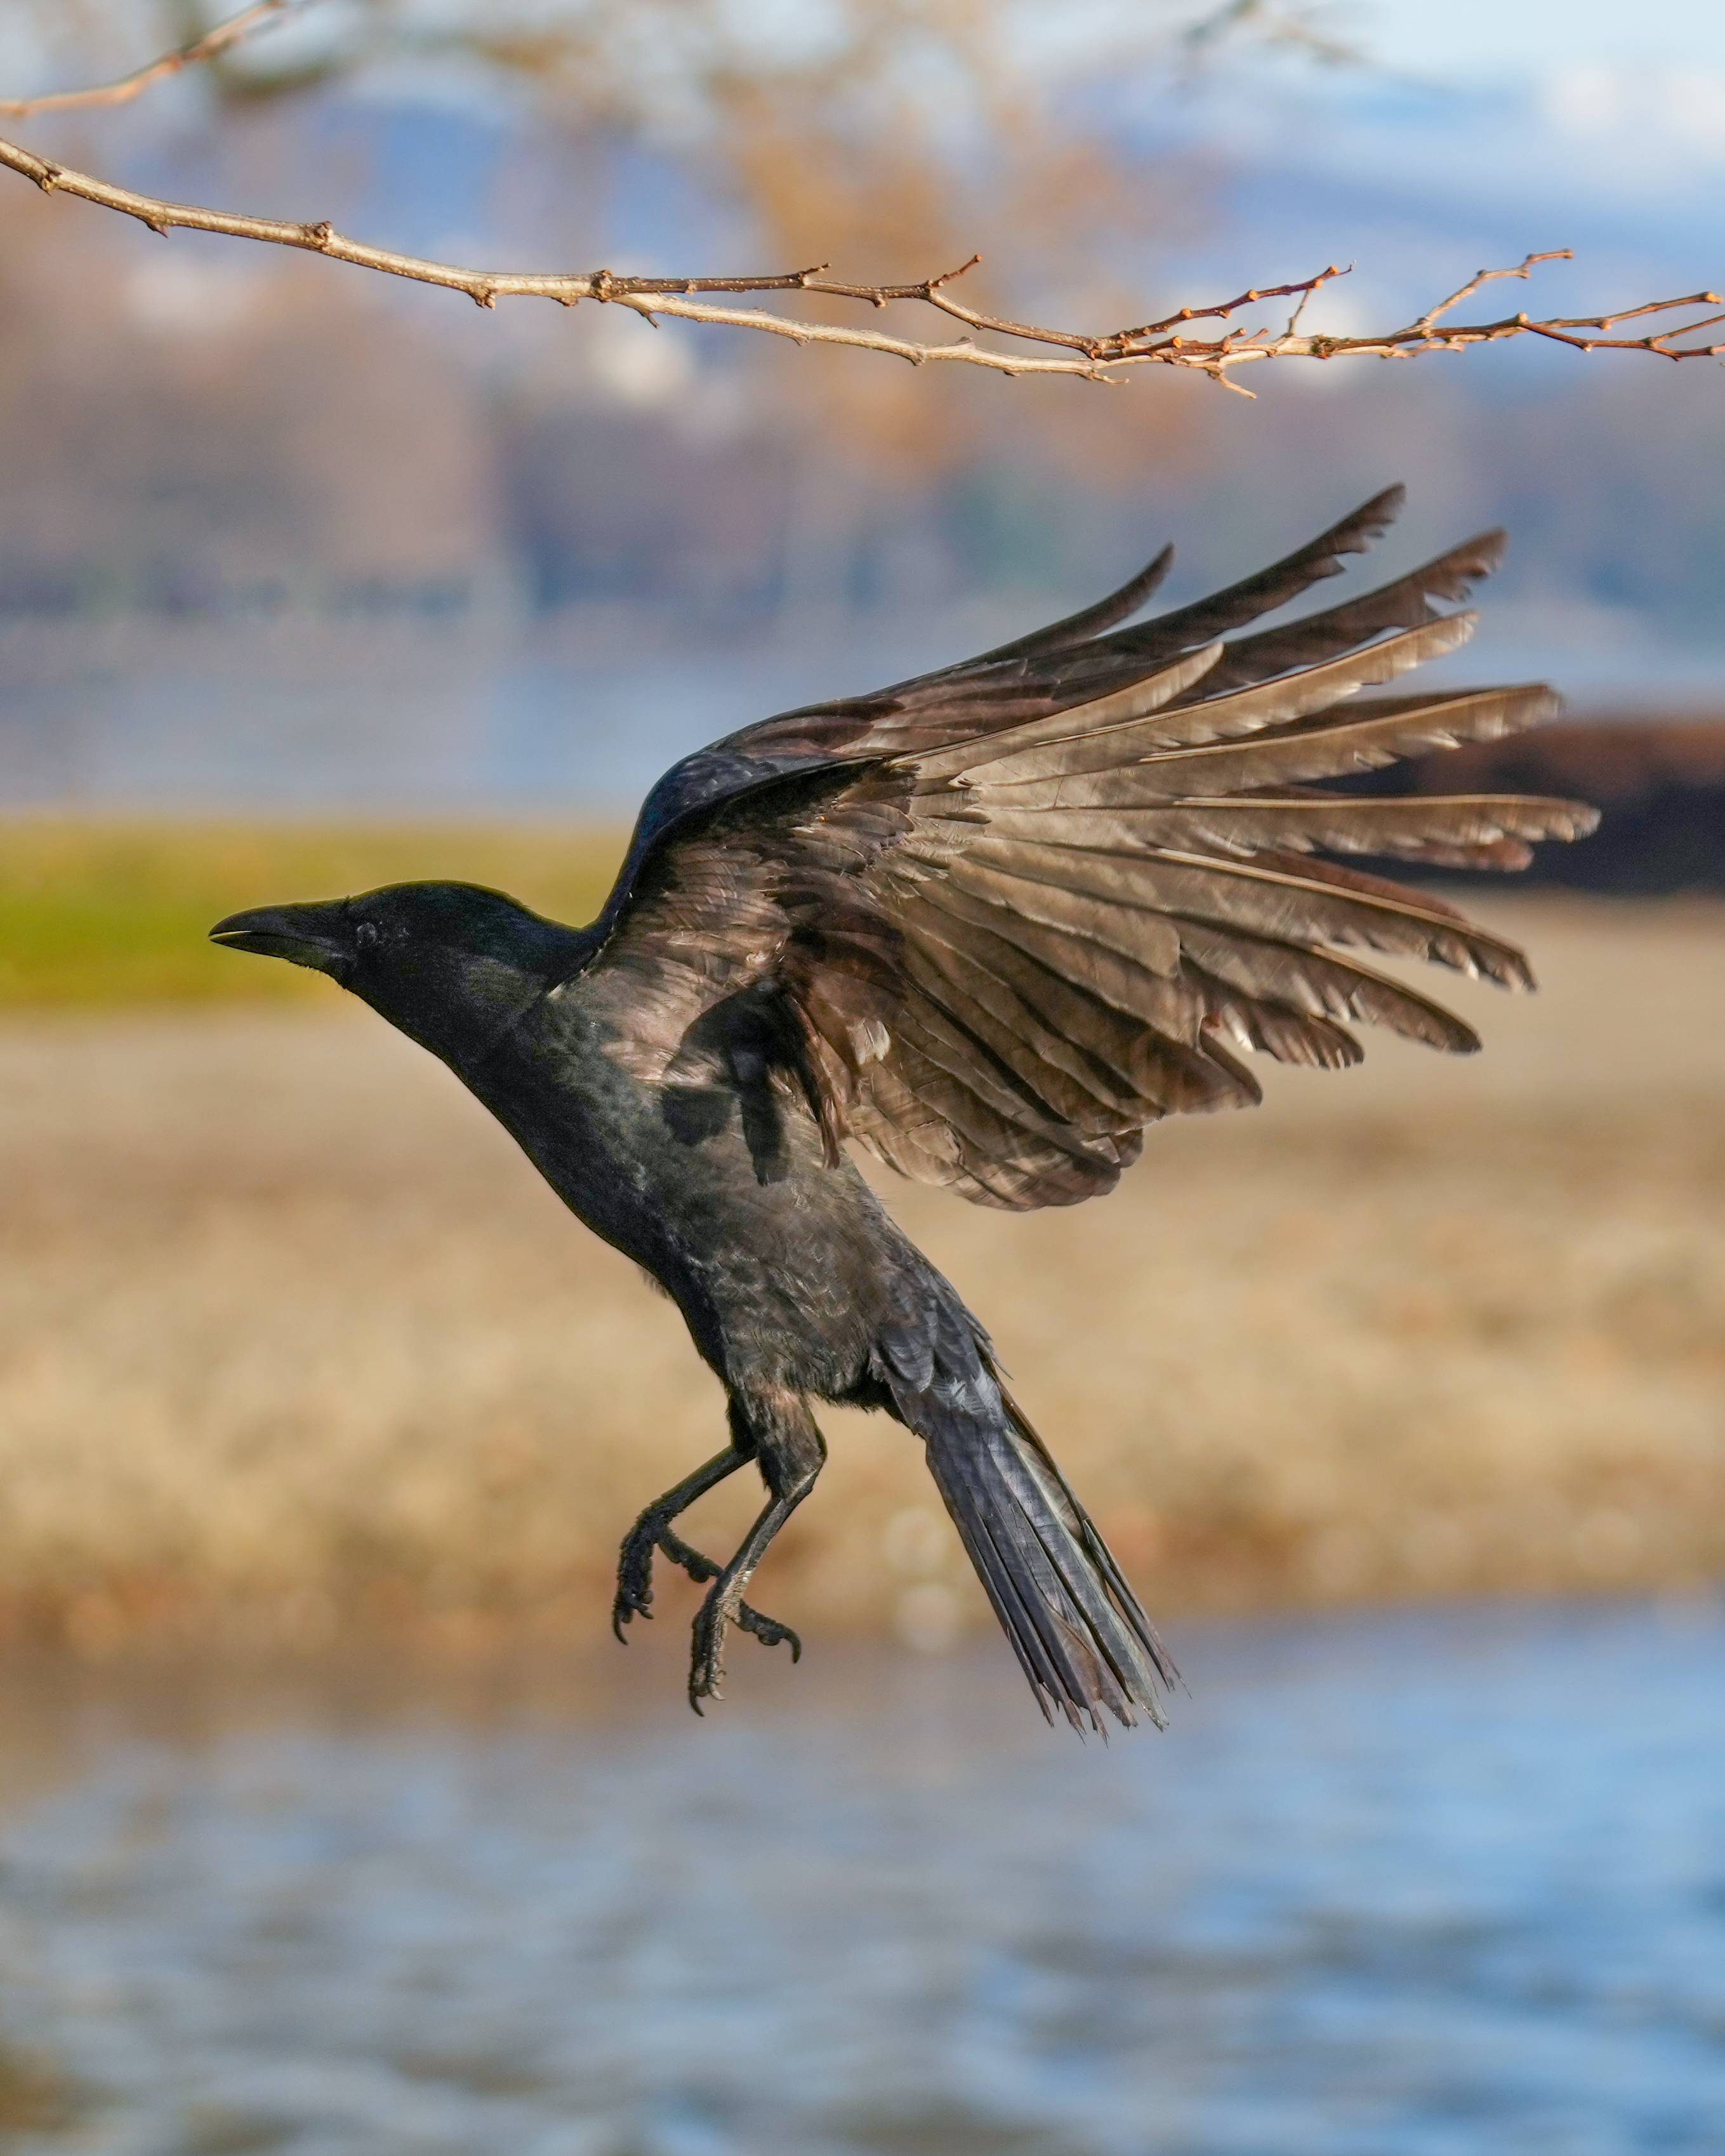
{"x": 1096, "y": 358}
{"x": 220, "y": 39}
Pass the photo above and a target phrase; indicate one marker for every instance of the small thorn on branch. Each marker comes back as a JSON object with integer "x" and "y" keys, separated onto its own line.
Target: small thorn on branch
{"x": 951, "y": 276}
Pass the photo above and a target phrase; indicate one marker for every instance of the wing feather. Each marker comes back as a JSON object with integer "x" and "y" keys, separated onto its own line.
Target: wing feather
{"x": 1307, "y": 899}
{"x": 1269, "y": 588}
{"x": 1104, "y": 736}
{"x": 1406, "y": 603}
{"x": 1450, "y": 829}
{"x": 1364, "y": 736}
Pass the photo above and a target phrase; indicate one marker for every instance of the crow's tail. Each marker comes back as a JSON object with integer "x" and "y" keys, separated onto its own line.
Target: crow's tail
{"x": 1074, "y": 1623}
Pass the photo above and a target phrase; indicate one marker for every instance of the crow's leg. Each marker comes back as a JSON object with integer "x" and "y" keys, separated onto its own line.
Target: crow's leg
{"x": 653, "y": 1532}
{"x": 791, "y": 1454}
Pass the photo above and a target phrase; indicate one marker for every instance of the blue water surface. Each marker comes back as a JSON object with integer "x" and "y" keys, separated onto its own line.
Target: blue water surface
{"x": 1427, "y": 1884}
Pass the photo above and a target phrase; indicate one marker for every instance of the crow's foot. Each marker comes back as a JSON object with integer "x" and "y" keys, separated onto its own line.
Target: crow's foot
{"x": 722, "y": 1608}
{"x": 653, "y": 1532}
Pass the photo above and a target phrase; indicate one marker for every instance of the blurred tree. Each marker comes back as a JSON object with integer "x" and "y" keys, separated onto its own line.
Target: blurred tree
{"x": 887, "y": 136}
{"x": 891, "y": 135}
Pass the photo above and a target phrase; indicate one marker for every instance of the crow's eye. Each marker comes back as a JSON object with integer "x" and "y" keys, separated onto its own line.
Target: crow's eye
{"x": 366, "y": 935}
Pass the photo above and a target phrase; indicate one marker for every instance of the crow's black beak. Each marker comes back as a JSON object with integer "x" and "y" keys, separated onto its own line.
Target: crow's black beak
{"x": 314, "y": 936}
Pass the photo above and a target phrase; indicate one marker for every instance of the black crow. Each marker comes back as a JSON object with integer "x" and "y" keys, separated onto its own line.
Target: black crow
{"x": 989, "y": 924}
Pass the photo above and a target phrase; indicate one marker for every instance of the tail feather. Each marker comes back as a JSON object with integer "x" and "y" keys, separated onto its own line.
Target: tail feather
{"x": 1076, "y": 1627}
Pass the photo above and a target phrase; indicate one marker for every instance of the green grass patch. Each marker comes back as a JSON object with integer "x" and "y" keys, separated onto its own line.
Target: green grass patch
{"x": 107, "y": 914}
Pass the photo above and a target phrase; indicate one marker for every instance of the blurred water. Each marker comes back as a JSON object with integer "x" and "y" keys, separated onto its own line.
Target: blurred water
{"x": 578, "y": 718}
{"x": 393, "y": 720}
{"x": 1407, "y": 1886}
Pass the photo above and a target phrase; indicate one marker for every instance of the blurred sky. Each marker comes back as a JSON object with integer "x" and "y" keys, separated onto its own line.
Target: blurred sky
{"x": 1457, "y": 38}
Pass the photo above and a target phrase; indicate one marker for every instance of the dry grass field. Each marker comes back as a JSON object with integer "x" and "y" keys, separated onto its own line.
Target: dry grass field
{"x": 290, "y": 1337}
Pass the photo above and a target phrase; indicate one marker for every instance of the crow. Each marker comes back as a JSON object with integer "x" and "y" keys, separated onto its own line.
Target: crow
{"x": 989, "y": 924}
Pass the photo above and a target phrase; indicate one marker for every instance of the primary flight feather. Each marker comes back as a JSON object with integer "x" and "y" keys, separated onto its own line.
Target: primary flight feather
{"x": 989, "y": 924}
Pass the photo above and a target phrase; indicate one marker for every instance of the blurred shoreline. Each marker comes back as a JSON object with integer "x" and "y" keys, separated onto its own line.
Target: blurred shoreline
{"x": 577, "y": 712}
{"x": 293, "y": 1344}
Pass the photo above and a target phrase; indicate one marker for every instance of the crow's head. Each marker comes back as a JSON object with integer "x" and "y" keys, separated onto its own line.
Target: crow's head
{"x": 449, "y": 963}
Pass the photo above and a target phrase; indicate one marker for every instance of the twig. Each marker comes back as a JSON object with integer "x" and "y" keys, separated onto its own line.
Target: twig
{"x": 1160, "y": 343}
{"x": 221, "y": 39}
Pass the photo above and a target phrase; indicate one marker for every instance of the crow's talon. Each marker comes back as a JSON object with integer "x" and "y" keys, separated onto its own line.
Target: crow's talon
{"x": 634, "y": 1590}
{"x": 768, "y": 1631}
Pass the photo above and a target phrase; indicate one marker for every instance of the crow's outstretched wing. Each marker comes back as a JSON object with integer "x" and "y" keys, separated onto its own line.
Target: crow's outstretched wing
{"x": 994, "y": 920}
